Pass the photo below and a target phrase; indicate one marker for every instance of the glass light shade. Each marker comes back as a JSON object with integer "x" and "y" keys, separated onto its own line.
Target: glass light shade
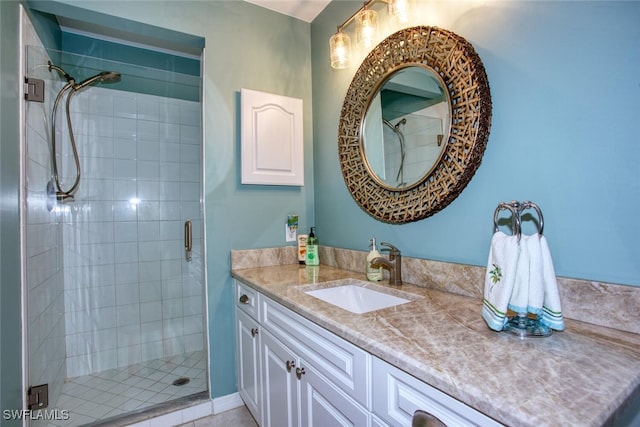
{"x": 399, "y": 10}
{"x": 366, "y": 28}
{"x": 340, "y": 50}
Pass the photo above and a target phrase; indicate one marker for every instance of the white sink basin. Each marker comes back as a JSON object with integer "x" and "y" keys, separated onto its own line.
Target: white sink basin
{"x": 354, "y": 297}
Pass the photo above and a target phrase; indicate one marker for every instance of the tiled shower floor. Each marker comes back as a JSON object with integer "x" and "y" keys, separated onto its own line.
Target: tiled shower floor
{"x": 118, "y": 391}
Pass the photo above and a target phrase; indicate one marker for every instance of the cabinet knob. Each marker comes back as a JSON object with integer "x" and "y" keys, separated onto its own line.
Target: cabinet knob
{"x": 244, "y": 299}
{"x": 290, "y": 364}
{"x": 254, "y": 332}
{"x": 300, "y": 372}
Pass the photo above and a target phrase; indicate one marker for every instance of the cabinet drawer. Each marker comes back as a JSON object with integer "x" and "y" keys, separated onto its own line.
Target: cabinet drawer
{"x": 341, "y": 362}
{"x": 397, "y": 395}
{"x": 247, "y": 299}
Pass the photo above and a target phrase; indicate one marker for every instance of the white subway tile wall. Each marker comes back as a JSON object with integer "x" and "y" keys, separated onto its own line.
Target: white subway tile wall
{"x": 123, "y": 235}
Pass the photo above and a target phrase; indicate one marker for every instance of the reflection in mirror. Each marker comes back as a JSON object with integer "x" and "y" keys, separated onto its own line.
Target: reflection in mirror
{"x": 406, "y": 127}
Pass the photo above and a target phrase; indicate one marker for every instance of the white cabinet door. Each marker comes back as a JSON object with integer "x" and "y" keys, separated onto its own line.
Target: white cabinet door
{"x": 271, "y": 138}
{"x": 341, "y": 362}
{"x": 281, "y": 397}
{"x": 397, "y": 395}
{"x": 249, "y": 362}
{"x": 324, "y": 404}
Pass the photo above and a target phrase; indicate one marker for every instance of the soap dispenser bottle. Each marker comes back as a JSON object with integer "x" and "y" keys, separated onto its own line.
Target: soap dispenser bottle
{"x": 374, "y": 274}
{"x": 312, "y": 257}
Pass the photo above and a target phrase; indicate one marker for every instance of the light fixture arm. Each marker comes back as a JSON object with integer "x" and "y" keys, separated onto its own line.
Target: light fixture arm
{"x": 352, "y": 17}
{"x": 366, "y": 33}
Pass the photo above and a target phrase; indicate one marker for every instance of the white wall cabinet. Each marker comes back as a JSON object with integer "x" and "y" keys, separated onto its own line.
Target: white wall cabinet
{"x": 272, "y": 139}
{"x": 294, "y": 373}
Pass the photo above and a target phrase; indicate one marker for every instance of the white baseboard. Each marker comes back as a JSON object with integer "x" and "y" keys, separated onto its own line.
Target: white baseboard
{"x": 210, "y": 407}
{"x": 226, "y": 403}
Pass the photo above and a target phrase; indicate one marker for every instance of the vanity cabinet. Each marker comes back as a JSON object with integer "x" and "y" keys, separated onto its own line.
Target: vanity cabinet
{"x": 292, "y": 372}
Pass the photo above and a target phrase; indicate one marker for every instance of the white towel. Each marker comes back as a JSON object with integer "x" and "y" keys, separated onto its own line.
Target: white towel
{"x": 519, "y": 301}
{"x": 535, "y": 289}
{"x": 551, "y": 309}
{"x": 499, "y": 279}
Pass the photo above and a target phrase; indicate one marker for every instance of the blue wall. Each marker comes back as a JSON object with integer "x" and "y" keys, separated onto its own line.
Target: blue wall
{"x": 565, "y": 83}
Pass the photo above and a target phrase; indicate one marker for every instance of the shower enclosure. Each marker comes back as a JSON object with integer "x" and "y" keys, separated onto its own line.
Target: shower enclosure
{"x": 115, "y": 302}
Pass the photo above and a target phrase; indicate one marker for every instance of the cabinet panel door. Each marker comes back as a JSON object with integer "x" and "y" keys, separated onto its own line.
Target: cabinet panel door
{"x": 324, "y": 404}
{"x": 281, "y": 397}
{"x": 341, "y": 362}
{"x": 249, "y": 362}
{"x": 397, "y": 395}
{"x": 272, "y": 139}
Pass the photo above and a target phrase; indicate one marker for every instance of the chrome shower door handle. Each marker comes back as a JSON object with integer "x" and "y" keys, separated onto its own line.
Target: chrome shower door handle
{"x": 188, "y": 241}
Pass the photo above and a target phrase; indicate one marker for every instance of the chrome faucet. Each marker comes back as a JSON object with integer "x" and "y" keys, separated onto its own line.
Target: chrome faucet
{"x": 394, "y": 264}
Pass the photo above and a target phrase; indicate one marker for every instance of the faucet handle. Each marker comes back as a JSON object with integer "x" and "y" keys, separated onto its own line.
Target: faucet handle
{"x": 394, "y": 250}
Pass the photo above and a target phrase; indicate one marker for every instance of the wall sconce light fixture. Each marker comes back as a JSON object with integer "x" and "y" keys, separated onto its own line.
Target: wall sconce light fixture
{"x": 400, "y": 10}
{"x": 366, "y": 27}
{"x": 340, "y": 50}
{"x": 366, "y": 30}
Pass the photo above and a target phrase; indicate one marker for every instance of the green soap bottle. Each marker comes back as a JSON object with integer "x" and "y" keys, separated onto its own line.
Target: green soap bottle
{"x": 312, "y": 257}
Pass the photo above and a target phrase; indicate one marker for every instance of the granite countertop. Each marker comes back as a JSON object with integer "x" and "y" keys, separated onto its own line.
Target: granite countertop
{"x": 577, "y": 377}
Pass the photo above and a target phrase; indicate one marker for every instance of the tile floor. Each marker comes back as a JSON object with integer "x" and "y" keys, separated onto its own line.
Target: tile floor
{"x": 118, "y": 391}
{"x": 238, "y": 417}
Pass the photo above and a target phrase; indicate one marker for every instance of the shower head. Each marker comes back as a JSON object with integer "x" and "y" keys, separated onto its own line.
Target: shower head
{"x": 103, "y": 77}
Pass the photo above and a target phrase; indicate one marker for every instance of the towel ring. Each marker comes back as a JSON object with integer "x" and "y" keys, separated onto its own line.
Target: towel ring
{"x": 529, "y": 205}
{"x": 516, "y": 209}
{"x": 512, "y": 207}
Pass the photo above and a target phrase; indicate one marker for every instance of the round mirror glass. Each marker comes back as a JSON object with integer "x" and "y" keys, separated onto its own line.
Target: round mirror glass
{"x": 406, "y": 127}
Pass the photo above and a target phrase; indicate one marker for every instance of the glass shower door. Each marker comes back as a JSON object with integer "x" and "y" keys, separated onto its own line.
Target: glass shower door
{"x": 115, "y": 303}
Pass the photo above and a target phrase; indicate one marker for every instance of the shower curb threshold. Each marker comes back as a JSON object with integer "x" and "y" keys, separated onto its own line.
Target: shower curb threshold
{"x": 153, "y": 411}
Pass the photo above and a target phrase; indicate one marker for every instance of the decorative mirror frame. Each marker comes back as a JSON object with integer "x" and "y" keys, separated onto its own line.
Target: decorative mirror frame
{"x": 461, "y": 69}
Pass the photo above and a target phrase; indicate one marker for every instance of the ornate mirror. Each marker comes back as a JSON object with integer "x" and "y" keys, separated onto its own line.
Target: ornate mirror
{"x": 414, "y": 124}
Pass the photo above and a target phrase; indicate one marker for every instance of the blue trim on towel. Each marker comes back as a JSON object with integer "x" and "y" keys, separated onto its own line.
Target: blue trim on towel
{"x": 552, "y": 319}
{"x": 495, "y": 318}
